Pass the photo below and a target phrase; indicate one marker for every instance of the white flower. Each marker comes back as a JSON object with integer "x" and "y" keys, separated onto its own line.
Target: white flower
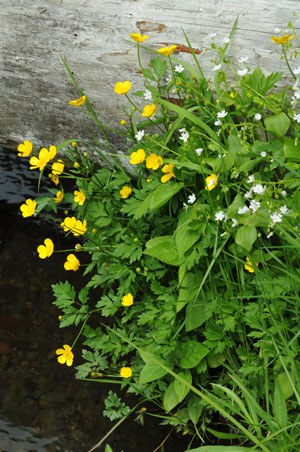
{"x": 217, "y": 67}
{"x": 257, "y": 116}
{"x": 139, "y": 135}
{"x": 184, "y": 136}
{"x": 276, "y": 217}
{"x": 284, "y": 210}
{"x": 199, "y": 151}
{"x": 277, "y": 30}
{"x": 243, "y": 60}
{"x": 243, "y": 210}
{"x": 258, "y": 189}
{"x": 297, "y": 117}
{"x": 263, "y": 154}
{"x": 147, "y": 95}
{"x": 226, "y": 40}
{"x": 222, "y": 114}
{"x": 283, "y": 193}
{"x": 296, "y": 95}
{"x": 179, "y": 68}
{"x": 254, "y": 205}
{"x": 250, "y": 179}
{"x": 182, "y": 130}
{"x": 218, "y": 122}
{"x": 191, "y": 199}
{"x": 297, "y": 70}
{"x": 220, "y": 216}
{"x": 248, "y": 194}
{"x": 242, "y": 72}
{"x": 212, "y": 35}
{"x": 234, "y": 222}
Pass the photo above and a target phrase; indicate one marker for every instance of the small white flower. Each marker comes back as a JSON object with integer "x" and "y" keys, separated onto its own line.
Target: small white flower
{"x": 276, "y": 217}
{"x": 182, "y": 130}
{"x": 184, "y": 136}
{"x": 179, "y": 68}
{"x": 283, "y": 193}
{"x": 217, "y": 67}
{"x": 277, "y": 30}
{"x": 258, "y": 189}
{"x": 248, "y": 194}
{"x": 212, "y": 35}
{"x": 199, "y": 151}
{"x": 243, "y": 59}
{"x": 297, "y": 70}
{"x": 257, "y": 116}
{"x": 139, "y": 135}
{"x": 251, "y": 179}
{"x": 243, "y": 210}
{"x": 297, "y": 117}
{"x": 284, "y": 210}
{"x": 263, "y": 154}
{"x": 226, "y": 40}
{"x": 222, "y": 114}
{"x": 147, "y": 95}
{"x": 296, "y": 95}
{"x": 220, "y": 216}
{"x": 234, "y": 222}
{"x": 242, "y": 72}
{"x": 270, "y": 235}
{"x": 218, "y": 122}
{"x": 191, "y": 199}
{"x": 254, "y": 205}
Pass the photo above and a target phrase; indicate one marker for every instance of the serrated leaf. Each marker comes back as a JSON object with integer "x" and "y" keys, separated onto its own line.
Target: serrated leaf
{"x": 278, "y": 124}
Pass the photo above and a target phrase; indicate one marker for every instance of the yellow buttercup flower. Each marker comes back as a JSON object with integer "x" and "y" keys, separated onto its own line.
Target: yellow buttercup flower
{"x": 137, "y": 37}
{"x": 125, "y": 191}
{"x": 211, "y": 182}
{"x": 79, "y": 197}
{"x": 28, "y": 208}
{"x": 249, "y": 266}
{"x": 77, "y": 227}
{"x": 45, "y": 250}
{"x": 44, "y": 157}
{"x": 149, "y": 110}
{"x": 58, "y": 167}
{"x": 125, "y": 372}
{"x": 127, "y": 300}
{"x": 65, "y": 355}
{"x": 137, "y": 157}
{"x": 78, "y": 102}
{"x": 122, "y": 87}
{"x": 123, "y": 122}
{"x": 154, "y": 161}
{"x": 282, "y": 39}
{"x": 54, "y": 178}
{"x": 25, "y": 149}
{"x": 72, "y": 263}
{"x": 166, "y": 51}
{"x": 59, "y": 196}
{"x": 168, "y": 169}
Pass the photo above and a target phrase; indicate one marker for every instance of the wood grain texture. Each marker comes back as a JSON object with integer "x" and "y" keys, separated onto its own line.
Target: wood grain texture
{"x": 94, "y": 37}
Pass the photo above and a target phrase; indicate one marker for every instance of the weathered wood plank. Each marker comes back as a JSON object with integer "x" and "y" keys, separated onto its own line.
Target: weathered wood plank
{"x": 93, "y": 36}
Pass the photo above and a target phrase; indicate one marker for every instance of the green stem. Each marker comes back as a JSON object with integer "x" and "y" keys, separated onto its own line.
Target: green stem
{"x": 287, "y": 62}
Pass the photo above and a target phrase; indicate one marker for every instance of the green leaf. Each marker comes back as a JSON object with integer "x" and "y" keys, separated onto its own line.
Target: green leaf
{"x": 220, "y": 449}
{"x": 278, "y": 124}
{"x": 279, "y": 406}
{"x": 192, "y": 353}
{"x": 246, "y": 236}
{"x": 156, "y": 199}
{"x": 194, "y": 407}
{"x": 151, "y": 372}
{"x": 181, "y": 389}
{"x": 198, "y": 311}
{"x": 159, "y": 66}
{"x": 147, "y": 73}
{"x": 285, "y": 385}
{"x": 291, "y": 151}
{"x": 164, "y": 249}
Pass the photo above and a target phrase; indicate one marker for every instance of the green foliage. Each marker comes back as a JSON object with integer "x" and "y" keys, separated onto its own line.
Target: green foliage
{"x": 191, "y": 280}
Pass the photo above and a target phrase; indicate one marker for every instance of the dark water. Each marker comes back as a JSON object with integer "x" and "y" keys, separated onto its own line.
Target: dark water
{"x": 42, "y": 406}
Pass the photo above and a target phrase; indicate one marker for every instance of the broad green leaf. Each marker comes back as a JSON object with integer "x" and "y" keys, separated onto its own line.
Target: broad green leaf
{"x": 181, "y": 389}
{"x": 148, "y": 74}
{"x": 192, "y": 353}
{"x": 160, "y": 196}
{"x": 279, "y": 406}
{"x": 291, "y": 151}
{"x": 246, "y": 236}
{"x": 278, "y": 124}
{"x": 170, "y": 399}
{"x": 194, "y": 407}
{"x": 197, "y": 312}
{"x": 164, "y": 249}
{"x": 215, "y": 360}
{"x": 285, "y": 385}
{"x": 159, "y": 66}
{"x": 151, "y": 372}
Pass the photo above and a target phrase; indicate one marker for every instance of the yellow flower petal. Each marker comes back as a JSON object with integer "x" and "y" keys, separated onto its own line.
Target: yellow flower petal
{"x": 166, "y": 51}
{"x": 122, "y": 87}
{"x": 125, "y": 372}
{"x": 78, "y": 102}
{"x": 125, "y": 191}
{"x": 137, "y": 37}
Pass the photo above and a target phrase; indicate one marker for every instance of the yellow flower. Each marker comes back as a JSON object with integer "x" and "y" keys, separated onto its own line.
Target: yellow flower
{"x": 28, "y": 209}
{"x": 78, "y": 102}
{"x": 58, "y": 167}
{"x": 123, "y": 122}
{"x": 168, "y": 169}
{"x": 154, "y": 161}
{"x": 79, "y": 197}
{"x": 149, "y": 110}
{"x": 77, "y": 227}
{"x": 44, "y": 157}
{"x": 232, "y": 95}
{"x": 122, "y": 87}
{"x": 74, "y": 144}
{"x": 25, "y": 149}
{"x": 249, "y": 266}
{"x": 137, "y": 157}
{"x": 65, "y": 355}
{"x": 282, "y": 39}
{"x": 125, "y": 191}
{"x": 166, "y": 51}
{"x": 125, "y": 372}
{"x": 59, "y": 197}
{"x": 72, "y": 263}
{"x": 76, "y": 165}
{"x": 127, "y": 300}
{"x": 137, "y": 37}
{"x": 54, "y": 178}
{"x": 211, "y": 182}
{"x": 45, "y": 250}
